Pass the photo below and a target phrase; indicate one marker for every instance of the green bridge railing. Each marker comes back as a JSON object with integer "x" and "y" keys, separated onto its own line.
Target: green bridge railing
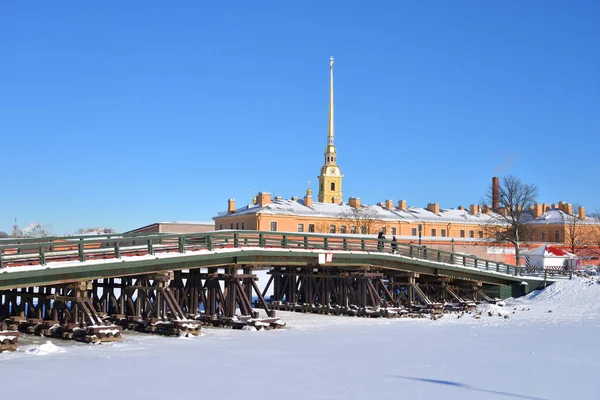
{"x": 82, "y": 248}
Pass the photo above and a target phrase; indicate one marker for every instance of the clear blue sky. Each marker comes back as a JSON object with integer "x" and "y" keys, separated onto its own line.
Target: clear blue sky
{"x": 121, "y": 114}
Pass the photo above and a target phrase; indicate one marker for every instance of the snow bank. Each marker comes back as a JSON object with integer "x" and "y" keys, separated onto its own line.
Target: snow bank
{"x": 45, "y": 349}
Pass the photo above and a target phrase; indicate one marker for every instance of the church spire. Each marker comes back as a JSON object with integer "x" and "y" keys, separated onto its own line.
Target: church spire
{"x": 330, "y": 132}
{"x": 330, "y": 180}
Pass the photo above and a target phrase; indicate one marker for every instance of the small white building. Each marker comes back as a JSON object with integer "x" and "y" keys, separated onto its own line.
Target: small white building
{"x": 550, "y": 257}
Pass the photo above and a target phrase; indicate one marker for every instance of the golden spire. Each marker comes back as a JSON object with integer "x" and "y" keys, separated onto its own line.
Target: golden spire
{"x": 309, "y": 190}
{"x": 330, "y": 132}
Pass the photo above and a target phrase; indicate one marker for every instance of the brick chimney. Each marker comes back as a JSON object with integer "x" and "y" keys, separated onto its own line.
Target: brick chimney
{"x": 402, "y": 205}
{"x": 486, "y": 209}
{"x": 569, "y": 208}
{"x": 461, "y": 208}
{"x": 581, "y": 215}
{"x": 230, "y": 206}
{"x": 434, "y": 208}
{"x": 354, "y": 202}
{"x": 389, "y": 204}
{"x": 264, "y": 198}
{"x": 538, "y": 210}
{"x": 495, "y": 193}
{"x": 474, "y": 209}
{"x": 308, "y": 200}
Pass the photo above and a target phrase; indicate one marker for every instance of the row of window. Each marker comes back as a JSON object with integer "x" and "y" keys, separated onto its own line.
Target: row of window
{"x": 443, "y": 233}
{"x": 414, "y": 232}
{"x": 544, "y": 236}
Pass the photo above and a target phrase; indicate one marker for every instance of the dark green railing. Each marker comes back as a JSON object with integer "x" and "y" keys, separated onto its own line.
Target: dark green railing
{"x": 84, "y": 248}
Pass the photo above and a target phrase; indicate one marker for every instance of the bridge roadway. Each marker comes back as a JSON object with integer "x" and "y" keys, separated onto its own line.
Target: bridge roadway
{"x": 58, "y": 260}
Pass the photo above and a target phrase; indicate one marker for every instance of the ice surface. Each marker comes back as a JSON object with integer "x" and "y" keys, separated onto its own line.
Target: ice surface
{"x": 547, "y": 348}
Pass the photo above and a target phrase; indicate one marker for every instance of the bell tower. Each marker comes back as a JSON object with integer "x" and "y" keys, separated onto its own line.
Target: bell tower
{"x": 330, "y": 179}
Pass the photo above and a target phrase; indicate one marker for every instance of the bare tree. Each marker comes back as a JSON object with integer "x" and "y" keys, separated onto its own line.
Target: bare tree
{"x": 364, "y": 218}
{"x": 577, "y": 233}
{"x": 595, "y": 234}
{"x": 508, "y": 222}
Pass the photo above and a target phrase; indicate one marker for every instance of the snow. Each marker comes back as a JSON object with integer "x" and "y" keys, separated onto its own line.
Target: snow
{"x": 45, "y": 349}
{"x": 545, "y": 349}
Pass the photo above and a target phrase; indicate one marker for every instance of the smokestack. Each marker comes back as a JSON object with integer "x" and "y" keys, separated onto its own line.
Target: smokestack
{"x": 495, "y": 193}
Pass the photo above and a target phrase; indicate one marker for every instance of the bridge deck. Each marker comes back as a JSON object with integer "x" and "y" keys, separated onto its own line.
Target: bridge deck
{"x": 44, "y": 262}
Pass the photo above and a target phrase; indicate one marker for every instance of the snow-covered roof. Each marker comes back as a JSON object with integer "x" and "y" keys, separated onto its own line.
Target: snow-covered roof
{"x": 549, "y": 251}
{"x": 556, "y": 216}
{"x": 379, "y": 212}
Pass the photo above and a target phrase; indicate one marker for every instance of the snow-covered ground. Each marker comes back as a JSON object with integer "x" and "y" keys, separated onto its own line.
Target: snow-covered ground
{"x": 547, "y": 348}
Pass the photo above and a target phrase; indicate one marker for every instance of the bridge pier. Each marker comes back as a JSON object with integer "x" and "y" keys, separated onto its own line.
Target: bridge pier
{"x": 144, "y": 303}
{"x": 215, "y": 297}
{"x": 62, "y": 311}
{"x": 330, "y": 291}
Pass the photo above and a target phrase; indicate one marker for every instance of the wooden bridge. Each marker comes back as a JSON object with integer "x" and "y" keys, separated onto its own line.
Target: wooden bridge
{"x": 89, "y": 288}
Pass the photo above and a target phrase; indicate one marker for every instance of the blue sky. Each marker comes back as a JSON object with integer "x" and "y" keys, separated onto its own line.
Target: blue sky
{"x": 120, "y": 114}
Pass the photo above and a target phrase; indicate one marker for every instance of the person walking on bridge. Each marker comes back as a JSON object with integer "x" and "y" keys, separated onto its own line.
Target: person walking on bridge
{"x": 394, "y": 245}
{"x": 380, "y": 239}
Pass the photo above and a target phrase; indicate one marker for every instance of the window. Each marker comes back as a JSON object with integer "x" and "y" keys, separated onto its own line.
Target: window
{"x": 300, "y": 227}
{"x": 231, "y": 227}
{"x": 543, "y": 236}
{"x": 332, "y": 186}
{"x": 353, "y": 229}
{"x": 413, "y": 231}
{"x": 363, "y": 230}
{"x": 531, "y": 236}
{"x": 471, "y": 234}
{"x": 393, "y": 231}
{"x": 462, "y": 233}
{"x": 343, "y": 229}
{"x": 433, "y": 232}
{"x": 480, "y": 234}
{"x": 237, "y": 225}
{"x": 331, "y": 228}
{"x": 333, "y": 200}
{"x": 311, "y": 227}
{"x": 557, "y": 236}
{"x": 443, "y": 233}
{"x": 384, "y": 230}
{"x": 273, "y": 226}
{"x": 220, "y": 226}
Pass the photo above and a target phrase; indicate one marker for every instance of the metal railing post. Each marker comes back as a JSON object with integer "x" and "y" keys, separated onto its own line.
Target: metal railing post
{"x": 236, "y": 240}
{"x": 475, "y": 262}
{"x": 42, "y": 256}
{"x": 306, "y": 242}
{"x": 81, "y": 248}
{"x": 345, "y": 244}
{"x": 284, "y": 242}
{"x": 117, "y": 249}
{"x": 261, "y": 240}
{"x": 362, "y": 244}
{"x": 326, "y": 243}
{"x": 181, "y": 244}
{"x": 439, "y": 256}
{"x": 410, "y": 251}
{"x": 150, "y": 248}
{"x": 209, "y": 245}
